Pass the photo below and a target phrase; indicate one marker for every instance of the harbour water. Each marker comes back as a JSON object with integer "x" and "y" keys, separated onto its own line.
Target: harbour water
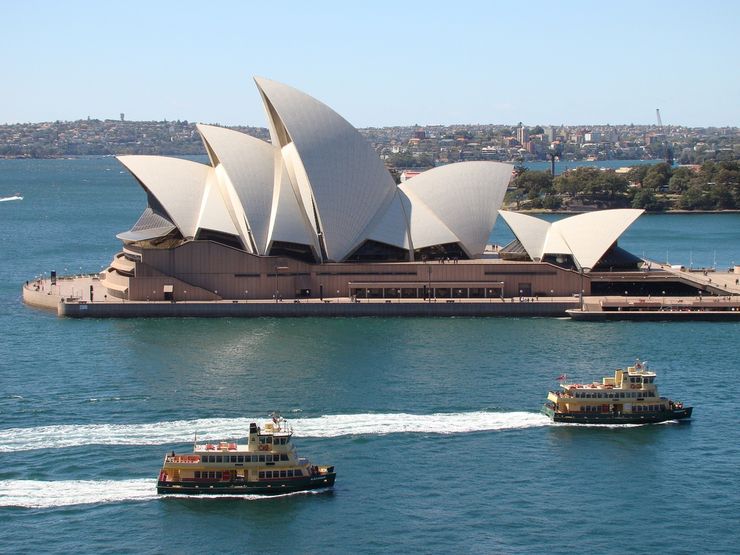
{"x": 432, "y": 424}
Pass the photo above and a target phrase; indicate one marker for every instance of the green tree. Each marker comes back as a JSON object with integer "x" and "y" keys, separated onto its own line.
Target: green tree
{"x": 613, "y": 183}
{"x": 637, "y": 174}
{"x": 680, "y": 181}
{"x": 581, "y": 181}
{"x": 645, "y": 198}
{"x": 721, "y": 195}
{"x": 694, "y": 198}
{"x": 657, "y": 177}
{"x": 534, "y": 183}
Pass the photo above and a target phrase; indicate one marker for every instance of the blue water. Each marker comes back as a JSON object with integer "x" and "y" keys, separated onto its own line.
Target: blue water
{"x": 564, "y": 165}
{"x": 432, "y": 423}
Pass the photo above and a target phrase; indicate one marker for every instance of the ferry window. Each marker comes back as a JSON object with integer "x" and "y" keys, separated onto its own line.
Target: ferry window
{"x": 212, "y": 474}
{"x": 283, "y": 474}
{"x": 290, "y": 473}
{"x": 219, "y": 458}
{"x": 212, "y": 458}
{"x": 197, "y": 474}
{"x": 268, "y": 474}
{"x": 262, "y": 458}
{"x": 283, "y": 457}
{"x": 268, "y": 458}
{"x": 218, "y": 475}
{"x": 262, "y": 474}
{"x": 240, "y": 458}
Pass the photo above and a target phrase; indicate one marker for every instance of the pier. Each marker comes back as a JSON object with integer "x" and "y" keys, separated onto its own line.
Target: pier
{"x": 718, "y": 298}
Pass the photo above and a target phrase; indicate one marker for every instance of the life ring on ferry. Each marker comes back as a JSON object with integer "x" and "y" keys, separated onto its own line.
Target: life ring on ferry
{"x": 638, "y": 365}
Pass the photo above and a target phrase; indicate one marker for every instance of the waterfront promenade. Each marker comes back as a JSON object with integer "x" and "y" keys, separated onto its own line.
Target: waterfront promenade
{"x": 71, "y": 297}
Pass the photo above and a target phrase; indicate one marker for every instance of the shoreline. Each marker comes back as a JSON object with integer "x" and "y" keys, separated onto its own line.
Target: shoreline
{"x": 667, "y": 212}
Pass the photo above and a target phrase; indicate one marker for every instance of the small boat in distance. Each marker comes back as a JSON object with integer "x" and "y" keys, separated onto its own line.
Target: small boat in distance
{"x": 266, "y": 465}
{"x": 16, "y": 196}
{"x": 629, "y": 397}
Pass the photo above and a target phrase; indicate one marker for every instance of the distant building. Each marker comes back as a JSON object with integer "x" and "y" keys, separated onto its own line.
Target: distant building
{"x": 408, "y": 174}
{"x": 521, "y": 134}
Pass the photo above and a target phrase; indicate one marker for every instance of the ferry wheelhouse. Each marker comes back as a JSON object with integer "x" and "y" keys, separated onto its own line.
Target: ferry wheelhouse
{"x": 629, "y": 397}
{"x": 266, "y": 465}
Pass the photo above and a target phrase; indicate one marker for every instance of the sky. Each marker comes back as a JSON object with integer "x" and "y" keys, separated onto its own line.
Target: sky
{"x": 378, "y": 63}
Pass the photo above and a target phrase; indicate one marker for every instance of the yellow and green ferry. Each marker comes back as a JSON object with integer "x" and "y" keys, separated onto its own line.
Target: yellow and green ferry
{"x": 628, "y": 397}
{"x": 266, "y": 465}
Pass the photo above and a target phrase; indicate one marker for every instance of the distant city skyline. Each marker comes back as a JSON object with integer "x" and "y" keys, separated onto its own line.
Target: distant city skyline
{"x": 390, "y": 64}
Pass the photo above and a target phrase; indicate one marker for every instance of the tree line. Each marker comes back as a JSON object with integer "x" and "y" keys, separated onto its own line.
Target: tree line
{"x": 712, "y": 186}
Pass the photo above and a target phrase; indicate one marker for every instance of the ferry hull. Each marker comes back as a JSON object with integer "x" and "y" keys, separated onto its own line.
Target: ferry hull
{"x": 610, "y": 418}
{"x": 266, "y": 487}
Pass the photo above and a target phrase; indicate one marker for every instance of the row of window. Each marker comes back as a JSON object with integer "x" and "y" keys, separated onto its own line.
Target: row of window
{"x": 206, "y": 475}
{"x": 635, "y": 408}
{"x": 646, "y": 379}
{"x": 646, "y": 408}
{"x": 244, "y": 458}
{"x": 218, "y": 475}
{"x": 264, "y": 440}
{"x": 280, "y": 473}
{"x": 613, "y": 394}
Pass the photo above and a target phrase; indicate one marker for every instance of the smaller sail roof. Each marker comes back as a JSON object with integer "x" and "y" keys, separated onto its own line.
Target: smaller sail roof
{"x": 584, "y": 236}
{"x": 177, "y": 184}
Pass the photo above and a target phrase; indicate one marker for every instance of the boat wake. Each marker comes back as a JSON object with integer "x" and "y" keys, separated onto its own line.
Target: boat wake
{"x": 38, "y": 494}
{"x": 181, "y": 431}
{"x": 14, "y": 197}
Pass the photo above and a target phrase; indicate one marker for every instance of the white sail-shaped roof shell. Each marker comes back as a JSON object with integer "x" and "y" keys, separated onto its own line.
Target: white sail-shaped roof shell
{"x": 465, "y": 196}
{"x": 249, "y": 164}
{"x": 349, "y": 183}
{"x": 530, "y": 231}
{"x": 392, "y": 227}
{"x": 318, "y": 184}
{"x": 586, "y": 237}
{"x": 590, "y": 235}
{"x": 214, "y": 214}
{"x": 289, "y": 222}
{"x": 177, "y": 184}
{"x": 426, "y": 228}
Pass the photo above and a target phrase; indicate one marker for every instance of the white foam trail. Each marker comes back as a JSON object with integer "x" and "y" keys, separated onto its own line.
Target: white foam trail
{"x": 15, "y": 197}
{"x": 181, "y": 431}
{"x": 37, "y": 494}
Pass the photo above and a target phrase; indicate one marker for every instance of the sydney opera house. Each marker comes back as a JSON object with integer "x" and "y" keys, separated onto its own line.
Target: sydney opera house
{"x": 314, "y": 213}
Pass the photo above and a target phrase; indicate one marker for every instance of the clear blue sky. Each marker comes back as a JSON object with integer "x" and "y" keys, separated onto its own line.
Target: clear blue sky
{"x": 377, "y": 63}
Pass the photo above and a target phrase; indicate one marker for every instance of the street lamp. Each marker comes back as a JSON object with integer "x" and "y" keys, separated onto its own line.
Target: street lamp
{"x": 277, "y": 272}
{"x": 429, "y": 290}
{"x": 582, "y": 270}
